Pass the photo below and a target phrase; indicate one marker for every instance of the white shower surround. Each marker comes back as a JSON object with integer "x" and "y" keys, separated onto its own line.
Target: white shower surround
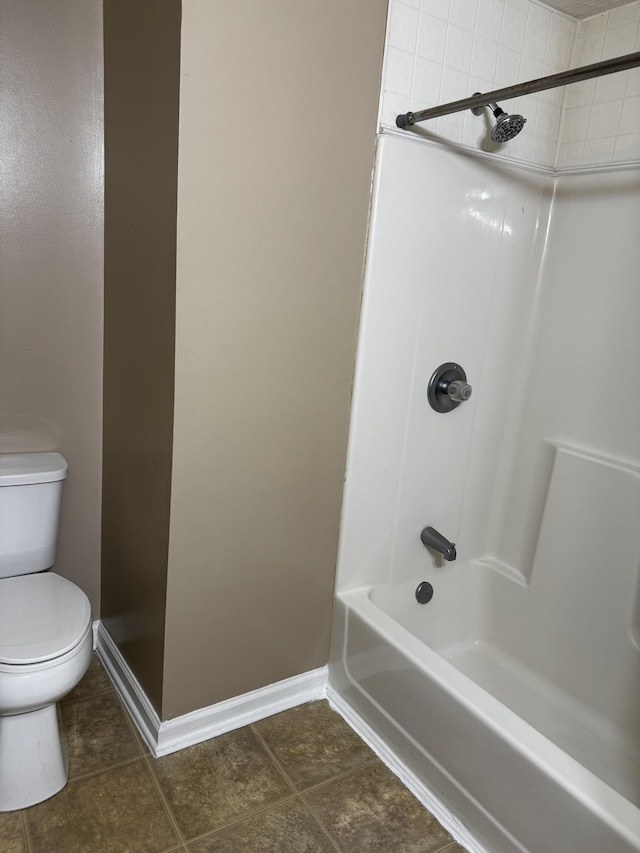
{"x": 530, "y": 282}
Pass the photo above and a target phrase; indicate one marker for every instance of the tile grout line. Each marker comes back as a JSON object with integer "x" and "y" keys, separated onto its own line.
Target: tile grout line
{"x": 368, "y": 763}
{"x": 273, "y": 759}
{"x": 290, "y": 782}
{"x": 447, "y": 845}
{"x": 248, "y": 816}
{"x": 340, "y": 776}
{"x": 89, "y": 774}
{"x": 374, "y": 760}
{"x": 165, "y": 803}
{"x": 324, "y": 829}
{"x": 25, "y": 830}
{"x": 294, "y": 796}
{"x": 300, "y": 794}
{"x": 177, "y": 848}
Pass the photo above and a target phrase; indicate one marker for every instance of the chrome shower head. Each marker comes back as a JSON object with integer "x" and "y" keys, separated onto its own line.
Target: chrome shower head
{"x": 507, "y": 126}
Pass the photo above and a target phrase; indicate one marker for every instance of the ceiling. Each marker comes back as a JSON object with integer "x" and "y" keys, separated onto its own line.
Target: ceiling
{"x": 584, "y": 8}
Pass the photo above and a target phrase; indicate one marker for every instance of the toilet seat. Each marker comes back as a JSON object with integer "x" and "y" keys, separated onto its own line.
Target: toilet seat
{"x": 43, "y": 617}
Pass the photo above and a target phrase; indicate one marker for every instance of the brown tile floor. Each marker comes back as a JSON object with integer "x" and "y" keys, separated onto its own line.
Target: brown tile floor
{"x": 298, "y": 782}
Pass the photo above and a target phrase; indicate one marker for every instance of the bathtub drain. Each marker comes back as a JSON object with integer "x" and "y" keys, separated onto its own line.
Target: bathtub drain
{"x": 424, "y": 592}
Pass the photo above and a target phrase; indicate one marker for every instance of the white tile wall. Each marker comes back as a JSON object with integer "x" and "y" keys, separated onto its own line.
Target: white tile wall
{"x": 444, "y": 50}
{"x": 601, "y": 118}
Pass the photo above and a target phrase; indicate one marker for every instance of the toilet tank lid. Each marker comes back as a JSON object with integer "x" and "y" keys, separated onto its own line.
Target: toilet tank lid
{"x": 23, "y": 469}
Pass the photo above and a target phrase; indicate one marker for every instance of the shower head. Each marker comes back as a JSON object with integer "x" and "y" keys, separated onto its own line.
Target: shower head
{"x": 506, "y": 126}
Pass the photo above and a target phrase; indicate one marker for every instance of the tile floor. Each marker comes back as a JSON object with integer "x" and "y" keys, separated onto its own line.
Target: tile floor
{"x": 298, "y": 782}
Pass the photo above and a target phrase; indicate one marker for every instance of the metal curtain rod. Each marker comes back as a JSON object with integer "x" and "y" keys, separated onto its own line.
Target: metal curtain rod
{"x": 562, "y": 78}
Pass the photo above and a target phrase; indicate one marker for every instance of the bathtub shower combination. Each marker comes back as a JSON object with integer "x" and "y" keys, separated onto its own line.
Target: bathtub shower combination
{"x": 505, "y": 674}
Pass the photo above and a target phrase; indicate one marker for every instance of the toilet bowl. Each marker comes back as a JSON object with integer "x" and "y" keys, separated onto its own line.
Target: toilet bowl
{"x": 46, "y": 634}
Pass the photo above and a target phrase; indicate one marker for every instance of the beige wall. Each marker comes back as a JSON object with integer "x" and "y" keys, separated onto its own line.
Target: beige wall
{"x": 142, "y": 68}
{"x": 273, "y": 199}
{"x": 277, "y": 130}
{"x": 51, "y": 256}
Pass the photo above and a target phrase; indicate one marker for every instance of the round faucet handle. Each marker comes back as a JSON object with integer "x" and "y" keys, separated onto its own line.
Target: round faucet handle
{"x": 448, "y": 387}
{"x": 459, "y": 391}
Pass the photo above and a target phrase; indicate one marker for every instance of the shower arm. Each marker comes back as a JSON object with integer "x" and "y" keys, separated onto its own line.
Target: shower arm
{"x": 552, "y": 81}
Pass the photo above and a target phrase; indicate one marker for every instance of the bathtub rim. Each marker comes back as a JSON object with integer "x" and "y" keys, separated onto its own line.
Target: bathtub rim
{"x": 602, "y": 800}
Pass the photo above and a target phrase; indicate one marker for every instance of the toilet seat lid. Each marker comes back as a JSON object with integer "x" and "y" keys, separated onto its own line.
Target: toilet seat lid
{"x": 42, "y": 616}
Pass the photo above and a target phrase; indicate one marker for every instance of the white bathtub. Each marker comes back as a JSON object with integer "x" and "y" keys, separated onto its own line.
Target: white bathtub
{"x": 530, "y": 751}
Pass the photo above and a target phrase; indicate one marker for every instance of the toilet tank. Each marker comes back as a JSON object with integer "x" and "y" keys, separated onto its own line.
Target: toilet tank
{"x": 30, "y": 499}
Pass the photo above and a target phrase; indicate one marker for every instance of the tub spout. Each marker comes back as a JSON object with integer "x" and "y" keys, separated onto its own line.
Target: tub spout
{"x": 431, "y": 538}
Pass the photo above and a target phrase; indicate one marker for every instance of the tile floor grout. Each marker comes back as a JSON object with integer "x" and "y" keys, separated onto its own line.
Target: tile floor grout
{"x": 177, "y": 848}
{"x": 329, "y": 780}
{"x": 81, "y": 777}
{"x": 340, "y": 776}
{"x": 325, "y": 829}
{"x": 164, "y": 802}
{"x": 240, "y": 820}
{"x": 25, "y": 829}
{"x": 273, "y": 759}
{"x": 270, "y": 807}
{"x": 300, "y": 793}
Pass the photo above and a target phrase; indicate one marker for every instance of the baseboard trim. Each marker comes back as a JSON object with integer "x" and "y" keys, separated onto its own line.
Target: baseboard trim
{"x": 135, "y": 699}
{"x": 241, "y": 710}
{"x": 419, "y": 790}
{"x": 163, "y": 738}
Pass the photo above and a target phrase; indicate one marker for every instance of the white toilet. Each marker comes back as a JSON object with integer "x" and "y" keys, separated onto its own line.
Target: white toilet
{"x": 45, "y": 630}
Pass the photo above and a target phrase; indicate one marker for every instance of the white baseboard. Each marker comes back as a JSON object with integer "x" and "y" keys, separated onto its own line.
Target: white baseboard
{"x": 419, "y": 790}
{"x": 140, "y": 708}
{"x": 163, "y": 738}
{"x": 241, "y": 710}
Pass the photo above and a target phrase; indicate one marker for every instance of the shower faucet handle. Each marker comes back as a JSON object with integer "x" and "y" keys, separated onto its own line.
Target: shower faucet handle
{"x": 458, "y": 390}
{"x": 448, "y": 387}
{"x": 432, "y": 538}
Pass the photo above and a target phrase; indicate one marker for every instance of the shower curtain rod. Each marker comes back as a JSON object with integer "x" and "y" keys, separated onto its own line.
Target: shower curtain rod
{"x": 562, "y": 78}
